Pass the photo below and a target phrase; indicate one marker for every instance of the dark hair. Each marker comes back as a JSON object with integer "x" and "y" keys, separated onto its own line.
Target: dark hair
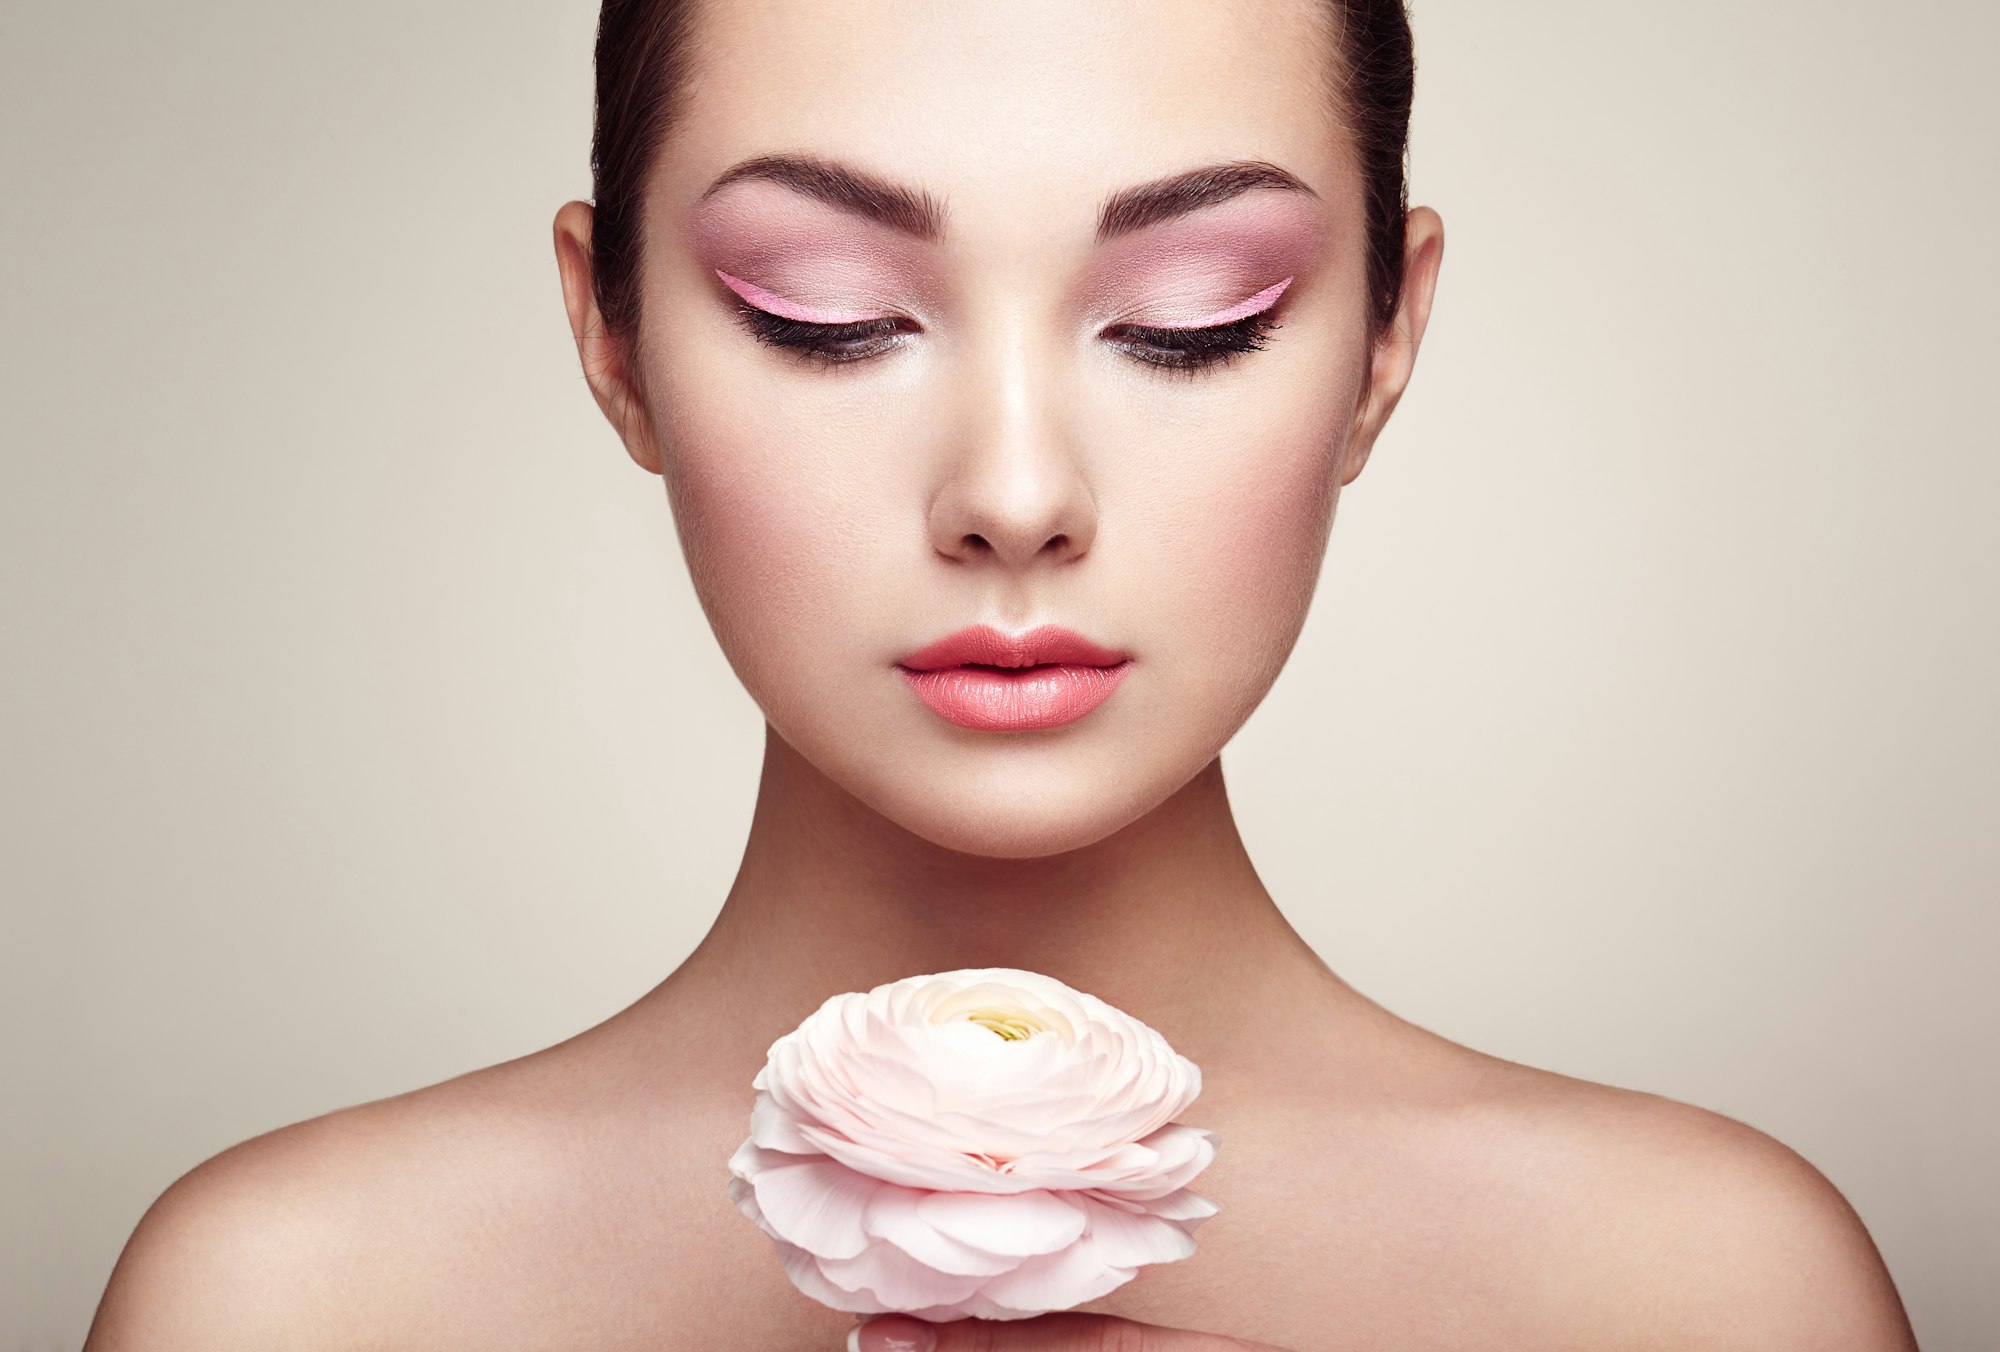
{"x": 646, "y": 58}
{"x": 1379, "y": 60}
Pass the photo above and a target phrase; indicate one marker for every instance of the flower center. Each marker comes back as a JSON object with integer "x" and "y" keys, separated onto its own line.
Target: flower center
{"x": 1011, "y": 1025}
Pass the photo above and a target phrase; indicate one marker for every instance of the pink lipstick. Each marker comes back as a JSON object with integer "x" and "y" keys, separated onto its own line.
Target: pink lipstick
{"x": 981, "y": 678}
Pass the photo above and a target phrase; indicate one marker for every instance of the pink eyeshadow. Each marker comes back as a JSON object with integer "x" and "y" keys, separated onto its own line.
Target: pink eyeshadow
{"x": 1263, "y": 300}
{"x": 811, "y": 263}
{"x": 1174, "y": 275}
{"x": 790, "y": 309}
{"x": 1163, "y": 276}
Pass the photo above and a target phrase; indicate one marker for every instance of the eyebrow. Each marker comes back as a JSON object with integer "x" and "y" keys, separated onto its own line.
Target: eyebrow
{"x": 915, "y": 212}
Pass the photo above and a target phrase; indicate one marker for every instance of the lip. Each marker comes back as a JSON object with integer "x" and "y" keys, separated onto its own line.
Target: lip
{"x": 979, "y": 677}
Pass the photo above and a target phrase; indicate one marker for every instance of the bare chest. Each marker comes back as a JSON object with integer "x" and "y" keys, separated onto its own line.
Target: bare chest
{"x": 1319, "y": 1245}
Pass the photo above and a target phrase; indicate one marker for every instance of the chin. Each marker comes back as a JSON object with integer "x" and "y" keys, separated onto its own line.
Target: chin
{"x": 1016, "y": 802}
{"x": 1012, "y": 794}
{"x": 1028, "y": 827}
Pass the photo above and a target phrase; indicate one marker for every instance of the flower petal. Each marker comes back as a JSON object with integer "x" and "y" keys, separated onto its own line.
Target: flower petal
{"x": 804, "y": 1271}
{"x": 898, "y": 1280}
{"x": 1183, "y": 1206}
{"x": 1020, "y": 1225}
{"x": 1120, "y": 1238}
{"x": 894, "y": 1217}
{"x": 1053, "y": 1281}
{"x": 775, "y": 1129}
{"x": 817, "y": 1205}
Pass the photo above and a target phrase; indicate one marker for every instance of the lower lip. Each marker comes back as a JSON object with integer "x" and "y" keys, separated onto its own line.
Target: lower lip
{"x": 997, "y": 700}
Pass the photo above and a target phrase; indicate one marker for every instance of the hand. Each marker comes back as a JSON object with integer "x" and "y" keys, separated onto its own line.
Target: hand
{"x": 1063, "y": 1332}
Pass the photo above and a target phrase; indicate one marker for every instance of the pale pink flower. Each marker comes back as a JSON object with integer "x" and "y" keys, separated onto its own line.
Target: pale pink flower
{"x": 986, "y": 1142}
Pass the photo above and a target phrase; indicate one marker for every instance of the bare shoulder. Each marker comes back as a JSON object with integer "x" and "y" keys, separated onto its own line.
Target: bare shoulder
{"x": 1660, "y": 1224}
{"x": 253, "y": 1247}
{"x": 350, "y": 1229}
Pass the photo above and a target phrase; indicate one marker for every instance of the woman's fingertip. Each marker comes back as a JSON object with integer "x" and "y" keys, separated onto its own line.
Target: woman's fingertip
{"x": 892, "y": 1333}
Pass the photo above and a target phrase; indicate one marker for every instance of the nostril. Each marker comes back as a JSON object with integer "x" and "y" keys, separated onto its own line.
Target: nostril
{"x": 974, "y": 543}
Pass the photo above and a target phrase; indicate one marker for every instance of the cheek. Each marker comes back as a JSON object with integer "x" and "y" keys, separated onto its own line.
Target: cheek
{"x": 1252, "y": 542}
{"x": 1231, "y": 529}
{"x": 786, "y": 518}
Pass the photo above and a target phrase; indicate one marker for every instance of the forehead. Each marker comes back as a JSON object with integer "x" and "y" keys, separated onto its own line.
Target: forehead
{"x": 1011, "y": 108}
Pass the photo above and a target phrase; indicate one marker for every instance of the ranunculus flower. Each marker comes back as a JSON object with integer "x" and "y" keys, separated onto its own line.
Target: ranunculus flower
{"x": 986, "y": 1142}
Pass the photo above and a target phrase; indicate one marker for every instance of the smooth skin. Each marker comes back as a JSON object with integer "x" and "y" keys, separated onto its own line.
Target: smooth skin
{"x": 1008, "y": 460}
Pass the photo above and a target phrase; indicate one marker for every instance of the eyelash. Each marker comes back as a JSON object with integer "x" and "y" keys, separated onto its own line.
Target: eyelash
{"x": 1186, "y": 352}
{"x": 1192, "y": 351}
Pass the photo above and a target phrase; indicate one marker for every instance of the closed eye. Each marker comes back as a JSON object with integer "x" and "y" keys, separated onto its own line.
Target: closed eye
{"x": 1195, "y": 350}
{"x": 827, "y": 344}
{"x": 1185, "y": 350}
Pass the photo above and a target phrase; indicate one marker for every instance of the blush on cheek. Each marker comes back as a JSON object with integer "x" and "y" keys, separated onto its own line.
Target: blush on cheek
{"x": 1256, "y": 550}
{"x": 749, "y": 545}
{"x": 1282, "y": 521}
{"x": 766, "y": 509}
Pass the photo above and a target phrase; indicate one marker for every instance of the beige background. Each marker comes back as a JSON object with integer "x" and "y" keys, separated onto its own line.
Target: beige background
{"x": 362, "y": 728}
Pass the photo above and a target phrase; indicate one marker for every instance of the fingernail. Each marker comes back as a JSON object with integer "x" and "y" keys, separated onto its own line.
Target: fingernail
{"x": 892, "y": 1333}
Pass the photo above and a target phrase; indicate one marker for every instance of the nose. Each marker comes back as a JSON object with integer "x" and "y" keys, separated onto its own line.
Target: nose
{"x": 1015, "y": 493}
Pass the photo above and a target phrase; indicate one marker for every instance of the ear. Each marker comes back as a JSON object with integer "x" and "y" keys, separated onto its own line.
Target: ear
{"x": 1395, "y": 354}
{"x": 606, "y": 362}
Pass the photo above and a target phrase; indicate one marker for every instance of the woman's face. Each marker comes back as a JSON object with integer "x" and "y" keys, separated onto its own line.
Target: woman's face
{"x": 988, "y": 440}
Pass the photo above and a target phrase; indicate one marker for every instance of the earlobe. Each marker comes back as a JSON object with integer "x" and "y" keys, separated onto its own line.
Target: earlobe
{"x": 1394, "y": 356}
{"x": 602, "y": 355}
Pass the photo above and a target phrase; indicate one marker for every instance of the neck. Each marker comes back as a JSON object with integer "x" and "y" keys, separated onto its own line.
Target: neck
{"x": 1164, "y": 918}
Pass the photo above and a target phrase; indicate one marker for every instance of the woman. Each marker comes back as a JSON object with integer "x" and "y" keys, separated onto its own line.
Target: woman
{"x": 969, "y": 339}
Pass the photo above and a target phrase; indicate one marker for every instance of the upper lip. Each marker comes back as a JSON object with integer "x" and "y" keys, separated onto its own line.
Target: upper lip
{"x": 984, "y": 645}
